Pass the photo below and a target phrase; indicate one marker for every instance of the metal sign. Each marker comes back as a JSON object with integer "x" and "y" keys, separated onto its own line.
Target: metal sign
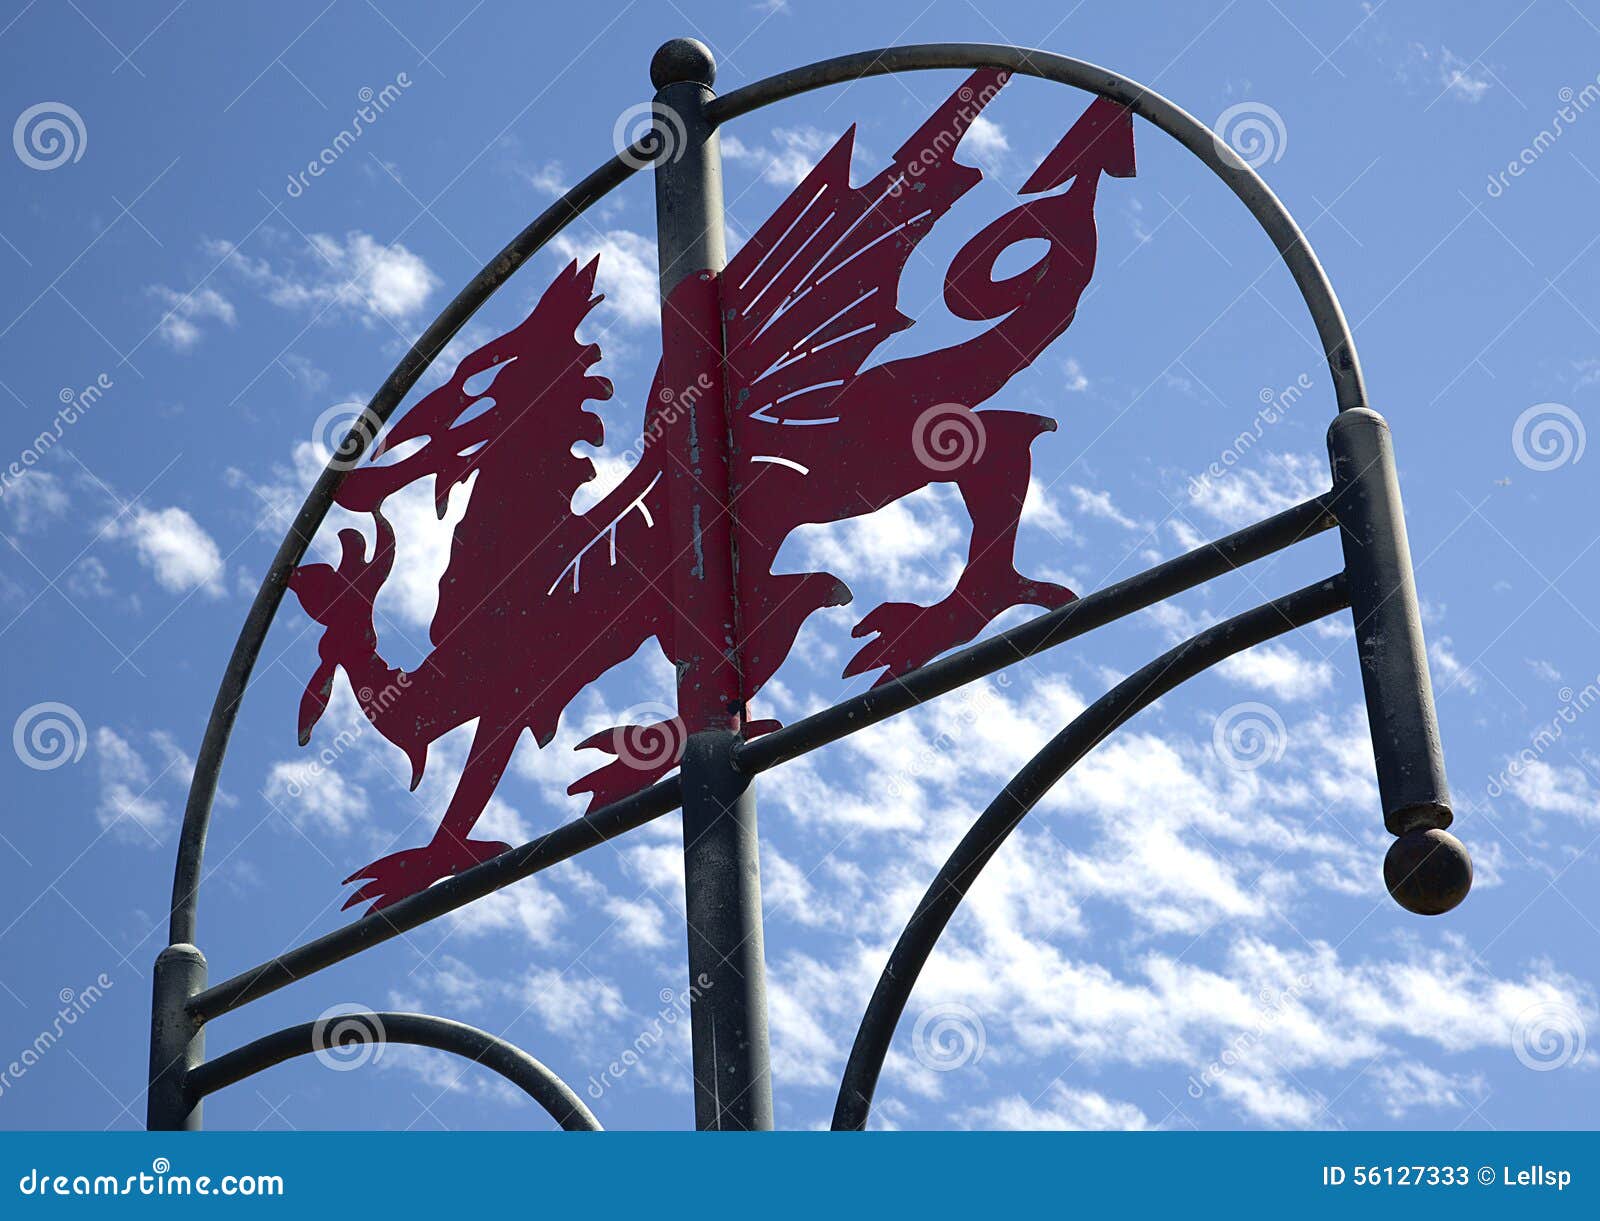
{"x": 763, "y": 416}
{"x": 762, "y": 421}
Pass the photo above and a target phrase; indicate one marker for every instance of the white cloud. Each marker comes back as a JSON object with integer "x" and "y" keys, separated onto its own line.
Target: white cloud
{"x": 1076, "y": 382}
{"x": 793, "y": 154}
{"x": 1557, "y": 789}
{"x": 359, "y": 275}
{"x": 1408, "y": 1086}
{"x": 547, "y": 179}
{"x": 911, "y": 545}
{"x": 315, "y": 793}
{"x": 1040, "y": 508}
{"x": 629, "y": 276}
{"x": 131, "y": 804}
{"x": 1246, "y": 494}
{"x": 1543, "y": 669}
{"x": 33, "y": 498}
{"x": 1458, "y": 77}
{"x": 1451, "y": 668}
{"x": 180, "y": 325}
{"x": 985, "y": 139}
{"x": 1099, "y": 504}
{"x": 89, "y": 579}
{"x": 1059, "y": 1109}
{"x": 1283, "y": 671}
{"x": 174, "y": 547}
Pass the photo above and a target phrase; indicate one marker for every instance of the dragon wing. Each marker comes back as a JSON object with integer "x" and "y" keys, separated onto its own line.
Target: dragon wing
{"x": 813, "y": 292}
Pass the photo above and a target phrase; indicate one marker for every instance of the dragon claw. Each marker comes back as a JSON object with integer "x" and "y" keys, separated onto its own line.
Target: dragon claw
{"x": 399, "y": 875}
{"x": 906, "y": 635}
{"x": 644, "y": 754}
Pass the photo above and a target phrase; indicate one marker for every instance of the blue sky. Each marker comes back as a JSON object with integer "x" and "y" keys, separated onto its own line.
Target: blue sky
{"x": 1175, "y": 938}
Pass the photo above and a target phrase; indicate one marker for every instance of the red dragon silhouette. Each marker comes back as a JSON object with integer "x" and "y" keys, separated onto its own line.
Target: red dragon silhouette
{"x": 539, "y": 601}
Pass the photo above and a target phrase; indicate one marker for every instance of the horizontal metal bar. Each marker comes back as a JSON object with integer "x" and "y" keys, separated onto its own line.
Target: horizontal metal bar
{"x": 937, "y": 678}
{"x": 418, "y": 1029}
{"x": 1038, "y": 776}
{"x": 453, "y": 892}
{"x": 236, "y": 678}
{"x": 1044, "y": 632}
{"x": 1338, "y": 344}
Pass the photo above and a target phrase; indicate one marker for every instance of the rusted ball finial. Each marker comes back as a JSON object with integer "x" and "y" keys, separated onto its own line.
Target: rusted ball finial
{"x": 683, "y": 59}
{"x": 1428, "y": 872}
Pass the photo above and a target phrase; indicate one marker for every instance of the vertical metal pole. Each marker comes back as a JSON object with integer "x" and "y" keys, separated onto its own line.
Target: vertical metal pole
{"x": 1427, "y": 870}
{"x": 727, "y": 963}
{"x": 177, "y": 1041}
{"x": 722, "y": 877}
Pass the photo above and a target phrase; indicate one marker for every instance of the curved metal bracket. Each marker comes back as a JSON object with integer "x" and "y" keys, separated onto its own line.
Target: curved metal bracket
{"x": 418, "y": 1029}
{"x": 1026, "y": 788}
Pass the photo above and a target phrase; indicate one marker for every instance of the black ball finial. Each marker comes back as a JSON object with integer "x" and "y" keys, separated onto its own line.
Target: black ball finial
{"x": 1428, "y": 872}
{"x": 683, "y": 59}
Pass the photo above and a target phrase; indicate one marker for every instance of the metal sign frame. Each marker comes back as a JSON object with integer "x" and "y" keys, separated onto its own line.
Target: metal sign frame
{"x": 1427, "y": 870}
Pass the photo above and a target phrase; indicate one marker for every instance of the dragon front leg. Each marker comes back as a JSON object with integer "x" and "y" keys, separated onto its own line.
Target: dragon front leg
{"x": 400, "y": 874}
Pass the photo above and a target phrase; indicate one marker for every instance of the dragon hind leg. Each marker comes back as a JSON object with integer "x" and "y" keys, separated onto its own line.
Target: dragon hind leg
{"x": 993, "y": 487}
{"x": 400, "y": 874}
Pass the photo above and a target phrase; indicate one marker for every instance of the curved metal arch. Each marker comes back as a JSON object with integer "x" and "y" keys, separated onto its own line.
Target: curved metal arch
{"x": 418, "y": 1029}
{"x": 1027, "y": 787}
{"x": 1291, "y": 243}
